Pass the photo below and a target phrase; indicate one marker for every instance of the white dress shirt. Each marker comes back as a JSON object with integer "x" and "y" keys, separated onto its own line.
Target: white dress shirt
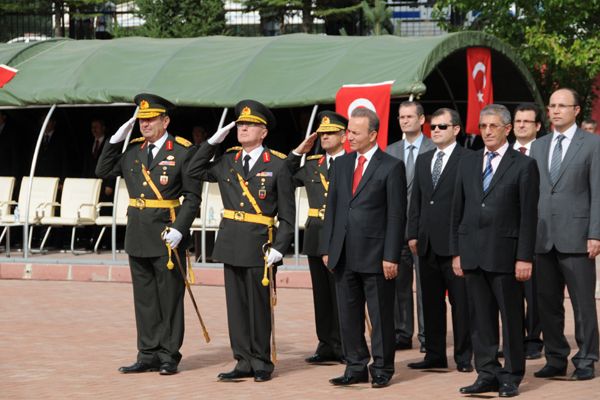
{"x": 518, "y": 145}
{"x": 496, "y": 160}
{"x": 254, "y": 155}
{"x": 328, "y": 160}
{"x": 569, "y": 133}
{"x": 158, "y": 144}
{"x": 447, "y": 153}
{"x": 368, "y": 155}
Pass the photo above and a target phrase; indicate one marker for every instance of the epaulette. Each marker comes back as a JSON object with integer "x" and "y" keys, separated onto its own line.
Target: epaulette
{"x": 278, "y": 154}
{"x": 314, "y": 157}
{"x": 137, "y": 140}
{"x": 234, "y": 148}
{"x": 182, "y": 141}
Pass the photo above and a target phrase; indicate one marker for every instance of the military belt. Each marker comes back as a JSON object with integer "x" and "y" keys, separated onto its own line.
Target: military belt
{"x": 153, "y": 203}
{"x": 316, "y": 213}
{"x": 242, "y": 216}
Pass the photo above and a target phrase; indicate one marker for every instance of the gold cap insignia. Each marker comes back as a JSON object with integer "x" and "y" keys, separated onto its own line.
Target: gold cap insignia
{"x": 144, "y": 105}
{"x": 246, "y": 111}
{"x": 325, "y": 120}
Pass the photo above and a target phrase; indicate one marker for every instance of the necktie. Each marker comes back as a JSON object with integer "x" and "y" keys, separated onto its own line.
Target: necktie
{"x": 437, "y": 168}
{"x": 96, "y": 150}
{"x": 330, "y": 168}
{"x": 246, "y": 164}
{"x": 150, "y": 154}
{"x": 523, "y": 150}
{"x": 410, "y": 164}
{"x": 488, "y": 172}
{"x": 358, "y": 172}
{"x": 556, "y": 159}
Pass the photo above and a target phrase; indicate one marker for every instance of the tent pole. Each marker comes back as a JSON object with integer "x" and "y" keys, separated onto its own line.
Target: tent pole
{"x": 297, "y": 224}
{"x": 36, "y": 152}
{"x": 447, "y": 88}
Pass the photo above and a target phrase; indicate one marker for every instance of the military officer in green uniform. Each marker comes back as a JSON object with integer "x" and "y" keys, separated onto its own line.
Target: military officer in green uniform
{"x": 314, "y": 176}
{"x": 256, "y": 186}
{"x": 154, "y": 167}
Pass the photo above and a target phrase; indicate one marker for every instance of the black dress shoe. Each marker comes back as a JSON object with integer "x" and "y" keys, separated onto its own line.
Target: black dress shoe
{"x": 346, "y": 380}
{"x": 402, "y": 345}
{"x": 422, "y": 349}
{"x": 464, "y": 367}
{"x": 262, "y": 376}
{"x": 138, "y": 367}
{"x": 581, "y": 374}
{"x": 319, "y": 359}
{"x": 427, "y": 364}
{"x": 380, "y": 381}
{"x": 508, "y": 390}
{"x": 549, "y": 372}
{"x": 533, "y": 355}
{"x": 168, "y": 369}
{"x": 235, "y": 374}
{"x": 480, "y": 387}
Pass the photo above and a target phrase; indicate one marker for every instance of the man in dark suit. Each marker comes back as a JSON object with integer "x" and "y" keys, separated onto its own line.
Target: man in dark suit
{"x": 256, "y": 186}
{"x": 364, "y": 225}
{"x": 98, "y": 131}
{"x": 429, "y": 238}
{"x": 411, "y": 118}
{"x": 314, "y": 176}
{"x": 568, "y": 236}
{"x": 493, "y": 237}
{"x": 470, "y": 141}
{"x": 153, "y": 167}
{"x": 53, "y": 158}
{"x": 9, "y": 166}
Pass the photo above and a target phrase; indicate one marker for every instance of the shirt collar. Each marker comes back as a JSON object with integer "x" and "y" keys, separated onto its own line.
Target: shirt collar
{"x": 518, "y": 145}
{"x": 447, "y": 151}
{"x": 417, "y": 143}
{"x": 254, "y": 154}
{"x": 500, "y": 151}
{"x": 569, "y": 133}
{"x": 341, "y": 153}
{"x": 159, "y": 143}
{"x": 369, "y": 153}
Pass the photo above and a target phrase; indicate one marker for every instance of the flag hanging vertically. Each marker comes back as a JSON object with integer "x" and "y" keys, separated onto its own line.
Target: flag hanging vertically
{"x": 481, "y": 92}
{"x": 374, "y": 96}
{"x": 6, "y": 74}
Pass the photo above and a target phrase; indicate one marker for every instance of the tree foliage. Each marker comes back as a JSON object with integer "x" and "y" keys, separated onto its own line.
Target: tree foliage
{"x": 558, "y": 40}
{"x": 182, "y": 18}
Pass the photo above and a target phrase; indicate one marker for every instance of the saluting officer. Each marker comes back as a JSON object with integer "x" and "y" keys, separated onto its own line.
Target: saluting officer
{"x": 314, "y": 176}
{"x": 153, "y": 167}
{"x": 256, "y": 186}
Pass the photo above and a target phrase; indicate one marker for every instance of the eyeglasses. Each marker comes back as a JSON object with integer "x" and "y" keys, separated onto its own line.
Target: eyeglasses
{"x": 524, "y": 121}
{"x": 493, "y": 127}
{"x": 442, "y": 127}
{"x": 561, "y": 107}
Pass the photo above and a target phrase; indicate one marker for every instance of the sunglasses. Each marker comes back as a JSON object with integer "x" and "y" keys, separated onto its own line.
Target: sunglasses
{"x": 442, "y": 127}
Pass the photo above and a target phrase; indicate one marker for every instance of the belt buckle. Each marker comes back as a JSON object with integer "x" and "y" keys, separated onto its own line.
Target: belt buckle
{"x": 140, "y": 203}
{"x": 238, "y": 215}
{"x": 322, "y": 213}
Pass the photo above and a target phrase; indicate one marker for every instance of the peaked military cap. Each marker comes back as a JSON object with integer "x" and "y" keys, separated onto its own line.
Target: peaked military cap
{"x": 151, "y": 105}
{"x": 255, "y": 112}
{"x": 330, "y": 121}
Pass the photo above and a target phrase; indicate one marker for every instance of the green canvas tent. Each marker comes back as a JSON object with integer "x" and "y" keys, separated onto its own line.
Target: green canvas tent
{"x": 282, "y": 71}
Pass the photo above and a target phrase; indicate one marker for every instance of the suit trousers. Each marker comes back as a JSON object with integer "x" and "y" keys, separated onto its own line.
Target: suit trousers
{"x": 578, "y": 272}
{"x": 353, "y": 289}
{"x": 158, "y": 299}
{"x": 533, "y": 327}
{"x": 248, "y": 318}
{"x": 490, "y": 293}
{"x": 404, "y": 303}
{"x": 326, "y": 310}
{"x": 437, "y": 277}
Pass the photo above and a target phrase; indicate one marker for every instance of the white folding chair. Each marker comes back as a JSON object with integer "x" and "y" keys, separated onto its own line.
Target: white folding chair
{"x": 7, "y": 216}
{"x": 121, "y": 212}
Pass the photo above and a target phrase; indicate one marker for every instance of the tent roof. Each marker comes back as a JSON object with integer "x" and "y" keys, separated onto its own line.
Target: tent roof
{"x": 218, "y": 71}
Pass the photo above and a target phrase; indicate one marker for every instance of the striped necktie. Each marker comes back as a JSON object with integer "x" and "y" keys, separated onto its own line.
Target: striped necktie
{"x": 556, "y": 159}
{"x": 437, "y": 168}
{"x": 488, "y": 173}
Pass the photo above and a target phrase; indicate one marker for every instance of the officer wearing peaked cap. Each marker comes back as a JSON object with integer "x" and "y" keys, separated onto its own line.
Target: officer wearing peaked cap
{"x": 256, "y": 186}
{"x": 153, "y": 167}
{"x": 314, "y": 176}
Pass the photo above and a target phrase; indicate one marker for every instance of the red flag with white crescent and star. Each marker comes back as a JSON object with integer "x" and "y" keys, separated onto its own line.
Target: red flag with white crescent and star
{"x": 374, "y": 96}
{"x": 481, "y": 91}
{"x": 6, "y": 74}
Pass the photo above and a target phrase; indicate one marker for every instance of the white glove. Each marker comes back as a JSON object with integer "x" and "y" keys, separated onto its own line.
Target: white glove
{"x": 221, "y": 134}
{"x": 123, "y": 131}
{"x": 274, "y": 256}
{"x": 172, "y": 237}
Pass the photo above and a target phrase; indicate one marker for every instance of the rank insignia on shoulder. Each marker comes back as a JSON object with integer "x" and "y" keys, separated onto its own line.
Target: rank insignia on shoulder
{"x": 182, "y": 141}
{"x": 234, "y": 148}
{"x": 137, "y": 140}
{"x": 278, "y": 154}
{"x": 314, "y": 157}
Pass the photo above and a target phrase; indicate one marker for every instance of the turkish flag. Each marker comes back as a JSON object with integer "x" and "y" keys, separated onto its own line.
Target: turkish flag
{"x": 374, "y": 96}
{"x": 6, "y": 74}
{"x": 479, "y": 78}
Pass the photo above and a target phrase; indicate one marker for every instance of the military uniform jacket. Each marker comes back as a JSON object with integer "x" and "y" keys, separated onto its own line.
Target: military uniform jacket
{"x": 311, "y": 176}
{"x": 240, "y": 243}
{"x": 167, "y": 171}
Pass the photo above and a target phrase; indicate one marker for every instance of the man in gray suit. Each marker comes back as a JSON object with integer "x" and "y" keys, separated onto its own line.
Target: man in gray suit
{"x": 411, "y": 117}
{"x": 568, "y": 238}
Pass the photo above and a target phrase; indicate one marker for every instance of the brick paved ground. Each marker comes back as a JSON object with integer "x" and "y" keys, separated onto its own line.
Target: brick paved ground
{"x": 65, "y": 340}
